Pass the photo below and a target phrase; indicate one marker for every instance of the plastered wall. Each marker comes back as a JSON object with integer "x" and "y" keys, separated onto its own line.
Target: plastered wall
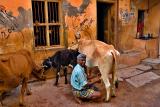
{"x": 127, "y": 24}
{"x": 128, "y": 15}
{"x": 152, "y": 21}
{"x": 15, "y": 25}
{"x": 80, "y": 17}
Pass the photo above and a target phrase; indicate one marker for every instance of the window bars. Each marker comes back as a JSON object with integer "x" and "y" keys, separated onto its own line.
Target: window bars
{"x": 46, "y": 22}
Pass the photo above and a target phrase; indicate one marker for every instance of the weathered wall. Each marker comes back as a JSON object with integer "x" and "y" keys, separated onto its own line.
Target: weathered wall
{"x": 152, "y": 25}
{"x": 15, "y": 25}
{"x": 152, "y": 21}
{"x": 128, "y": 15}
{"x": 80, "y": 17}
{"x": 127, "y": 24}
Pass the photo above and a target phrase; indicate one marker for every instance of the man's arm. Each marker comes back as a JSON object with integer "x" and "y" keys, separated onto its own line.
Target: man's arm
{"x": 93, "y": 81}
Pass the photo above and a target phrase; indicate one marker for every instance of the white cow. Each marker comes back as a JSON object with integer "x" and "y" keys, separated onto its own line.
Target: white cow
{"x": 104, "y": 56}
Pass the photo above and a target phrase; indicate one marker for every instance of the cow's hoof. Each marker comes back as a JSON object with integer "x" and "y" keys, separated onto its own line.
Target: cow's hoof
{"x": 43, "y": 78}
{"x": 107, "y": 100}
{"x": 1, "y": 104}
{"x": 66, "y": 82}
{"x": 113, "y": 95}
{"x": 29, "y": 93}
{"x": 116, "y": 84}
{"x": 55, "y": 84}
{"x": 21, "y": 105}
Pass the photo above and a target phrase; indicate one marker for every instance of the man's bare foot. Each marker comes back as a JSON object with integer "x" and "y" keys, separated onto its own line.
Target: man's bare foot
{"x": 78, "y": 100}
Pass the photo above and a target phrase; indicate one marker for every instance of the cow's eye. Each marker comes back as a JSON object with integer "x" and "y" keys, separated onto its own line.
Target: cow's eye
{"x": 83, "y": 60}
{"x": 45, "y": 66}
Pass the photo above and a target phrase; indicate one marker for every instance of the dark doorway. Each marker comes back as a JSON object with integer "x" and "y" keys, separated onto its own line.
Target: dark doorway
{"x": 104, "y": 22}
{"x": 140, "y": 24}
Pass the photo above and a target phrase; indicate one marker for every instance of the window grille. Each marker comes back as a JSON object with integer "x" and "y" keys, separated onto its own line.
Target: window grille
{"x": 54, "y": 35}
{"x": 40, "y": 35}
{"x": 46, "y": 21}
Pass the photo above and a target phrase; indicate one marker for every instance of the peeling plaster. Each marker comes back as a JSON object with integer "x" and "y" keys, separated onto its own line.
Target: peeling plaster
{"x": 75, "y": 11}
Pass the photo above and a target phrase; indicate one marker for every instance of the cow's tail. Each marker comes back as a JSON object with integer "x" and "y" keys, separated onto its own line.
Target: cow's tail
{"x": 114, "y": 73}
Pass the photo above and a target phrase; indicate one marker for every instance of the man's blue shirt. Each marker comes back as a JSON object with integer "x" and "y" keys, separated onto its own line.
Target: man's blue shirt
{"x": 78, "y": 77}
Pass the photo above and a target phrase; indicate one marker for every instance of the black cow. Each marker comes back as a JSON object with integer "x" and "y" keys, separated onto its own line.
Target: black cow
{"x": 60, "y": 59}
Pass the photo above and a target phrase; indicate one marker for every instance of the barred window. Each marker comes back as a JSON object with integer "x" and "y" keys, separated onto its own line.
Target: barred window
{"x": 46, "y": 21}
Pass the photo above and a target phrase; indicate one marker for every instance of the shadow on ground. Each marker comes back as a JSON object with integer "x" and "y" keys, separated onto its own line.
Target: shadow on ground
{"x": 45, "y": 94}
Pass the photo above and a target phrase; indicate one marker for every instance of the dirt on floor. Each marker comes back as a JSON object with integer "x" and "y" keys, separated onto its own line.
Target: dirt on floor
{"x": 45, "y": 94}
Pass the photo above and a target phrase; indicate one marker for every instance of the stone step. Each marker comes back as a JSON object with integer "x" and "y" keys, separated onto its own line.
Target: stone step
{"x": 142, "y": 79}
{"x": 128, "y": 72}
{"x": 122, "y": 66}
{"x": 132, "y": 58}
{"x": 124, "y": 71}
{"x": 142, "y": 67}
{"x": 155, "y": 63}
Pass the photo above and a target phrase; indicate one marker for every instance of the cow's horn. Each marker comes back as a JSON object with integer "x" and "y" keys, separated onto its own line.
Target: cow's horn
{"x": 78, "y": 35}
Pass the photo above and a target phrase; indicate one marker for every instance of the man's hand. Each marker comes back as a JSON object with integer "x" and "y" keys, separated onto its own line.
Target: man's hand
{"x": 95, "y": 80}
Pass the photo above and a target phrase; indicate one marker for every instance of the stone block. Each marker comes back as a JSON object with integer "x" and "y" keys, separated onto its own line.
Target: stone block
{"x": 128, "y": 72}
{"x": 154, "y": 63}
{"x": 121, "y": 66}
{"x": 129, "y": 59}
{"x": 142, "y": 79}
{"x": 143, "y": 67}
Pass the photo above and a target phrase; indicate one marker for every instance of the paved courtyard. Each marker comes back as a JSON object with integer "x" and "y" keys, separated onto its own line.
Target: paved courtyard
{"x": 145, "y": 94}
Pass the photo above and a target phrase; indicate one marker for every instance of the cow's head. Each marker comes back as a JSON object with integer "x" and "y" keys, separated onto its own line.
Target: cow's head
{"x": 74, "y": 45}
{"x": 48, "y": 63}
{"x": 74, "y": 54}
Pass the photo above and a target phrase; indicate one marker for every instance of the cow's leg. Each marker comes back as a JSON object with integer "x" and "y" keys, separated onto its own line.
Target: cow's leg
{"x": 57, "y": 76}
{"x": 28, "y": 90}
{"x": 104, "y": 69}
{"x": 1, "y": 104}
{"x": 1, "y": 99}
{"x": 114, "y": 83}
{"x": 114, "y": 79}
{"x": 113, "y": 88}
{"x": 65, "y": 74}
{"x": 42, "y": 74}
{"x": 24, "y": 85}
{"x": 107, "y": 87}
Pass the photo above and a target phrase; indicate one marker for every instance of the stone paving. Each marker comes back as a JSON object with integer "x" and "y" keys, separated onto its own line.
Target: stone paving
{"x": 131, "y": 92}
{"x": 154, "y": 63}
{"x": 142, "y": 79}
{"x": 128, "y": 72}
{"x": 143, "y": 67}
{"x": 139, "y": 75}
